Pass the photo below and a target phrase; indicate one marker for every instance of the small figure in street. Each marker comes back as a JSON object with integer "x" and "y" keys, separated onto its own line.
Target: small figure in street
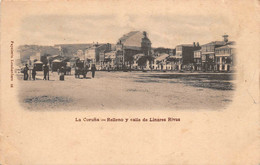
{"x": 45, "y": 71}
{"x": 25, "y": 72}
{"x": 34, "y": 72}
{"x": 62, "y": 71}
{"x": 191, "y": 68}
{"x": 93, "y": 69}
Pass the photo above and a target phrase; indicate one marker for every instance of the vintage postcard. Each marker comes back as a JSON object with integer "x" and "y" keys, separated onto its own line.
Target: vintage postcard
{"x": 130, "y": 82}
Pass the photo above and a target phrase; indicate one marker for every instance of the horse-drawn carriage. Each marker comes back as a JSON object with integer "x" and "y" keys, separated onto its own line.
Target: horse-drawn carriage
{"x": 80, "y": 69}
{"x": 61, "y": 67}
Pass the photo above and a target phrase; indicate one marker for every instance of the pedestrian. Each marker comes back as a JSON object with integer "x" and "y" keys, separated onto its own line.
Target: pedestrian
{"x": 45, "y": 71}
{"x": 93, "y": 69}
{"x": 25, "y": 72}
{"x": 34, "y": 72}
{"x": 62, "y": 73}
{"x": 191, "y": 68}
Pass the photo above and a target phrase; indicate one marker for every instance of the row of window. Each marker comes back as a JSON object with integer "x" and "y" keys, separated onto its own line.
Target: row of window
{"x": 223, "y": 51}
{"x": 208, "y": 48}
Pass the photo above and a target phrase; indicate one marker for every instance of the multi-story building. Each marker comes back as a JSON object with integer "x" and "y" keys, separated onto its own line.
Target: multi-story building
{"x": 107, "y": 60}
{"x": 130, "y": 44}
{"x": 208, "y": 53}
{"x": 197, "y": 60}
{"x": 225, "y": 57}
{"x": 92, "y": 54}
{"x": 185, "y": 54}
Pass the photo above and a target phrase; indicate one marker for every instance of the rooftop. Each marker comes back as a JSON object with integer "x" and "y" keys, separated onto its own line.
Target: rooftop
{"x": 137, "y": 56}
{"x": 162, "y": 57}
{"x": 226, "y": 46}
{"x": 186, "y": 45}
{"x": 132, "y": 39}
{"x": 215, "y": 43}
{"x": 220, "y": 43}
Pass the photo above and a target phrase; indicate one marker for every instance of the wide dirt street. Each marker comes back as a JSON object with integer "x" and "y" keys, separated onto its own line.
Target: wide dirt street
{"x": 128, "y": 90}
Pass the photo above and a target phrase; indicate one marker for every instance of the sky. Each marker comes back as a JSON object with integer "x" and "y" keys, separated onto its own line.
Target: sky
{"x": 164, "y": 29}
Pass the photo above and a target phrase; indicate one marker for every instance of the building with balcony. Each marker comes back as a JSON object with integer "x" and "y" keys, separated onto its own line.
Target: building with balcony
{"x": 225, "y": 57}
{"x": 208, "y": 53}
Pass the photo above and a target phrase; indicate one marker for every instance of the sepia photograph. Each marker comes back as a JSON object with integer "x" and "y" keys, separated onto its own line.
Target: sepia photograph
{"x": 109, "y": 62}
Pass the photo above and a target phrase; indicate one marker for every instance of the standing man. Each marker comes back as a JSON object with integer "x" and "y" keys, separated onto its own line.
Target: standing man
{"x": 25, "y": 72}
{"x": 93, "y": 69}
{"x": 34, "y": 72}
{"x": 45, "y": 71}
{"x": 62, "y": 71}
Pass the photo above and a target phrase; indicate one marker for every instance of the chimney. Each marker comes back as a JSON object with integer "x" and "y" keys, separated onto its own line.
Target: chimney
{"x": 194, "y": 44}
{"x": 198, "y": 44}
{"x": 225, "y": 38}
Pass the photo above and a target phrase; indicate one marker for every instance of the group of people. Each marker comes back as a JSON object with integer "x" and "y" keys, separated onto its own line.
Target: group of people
{"x": 26, "y": 74}
{"x": 46, "y": 72}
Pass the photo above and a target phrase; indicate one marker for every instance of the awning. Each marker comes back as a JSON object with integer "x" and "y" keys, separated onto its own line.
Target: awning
{"x": 38, "y": 62}
{"x": 207, "y": 53}
{"x": 56, "y": 60}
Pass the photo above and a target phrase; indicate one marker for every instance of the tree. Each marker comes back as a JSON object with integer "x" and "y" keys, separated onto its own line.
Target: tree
{"x": 142, "y": 60}
{"x": 130, "y": 60}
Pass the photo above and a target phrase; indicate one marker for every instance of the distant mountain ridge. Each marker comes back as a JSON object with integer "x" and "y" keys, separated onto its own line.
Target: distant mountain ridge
{"x": 29, "y": 50}
{"x": 68, "y": 49}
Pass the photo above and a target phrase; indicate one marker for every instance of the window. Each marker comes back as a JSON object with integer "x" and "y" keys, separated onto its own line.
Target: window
{"x": 179, "y": 48}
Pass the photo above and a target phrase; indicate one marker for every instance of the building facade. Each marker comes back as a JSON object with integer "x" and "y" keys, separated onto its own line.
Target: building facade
{"x": 92, "y": 54}
{"x": 130, "y": 44}
{"x": 211, "y": 53}
{"x": 208, "y": 55}
{"x": 185, "y": 54}
{"x": 107, "y": 60}
{"x": 225, "y": 58}
{"x": 197, "y": 60}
